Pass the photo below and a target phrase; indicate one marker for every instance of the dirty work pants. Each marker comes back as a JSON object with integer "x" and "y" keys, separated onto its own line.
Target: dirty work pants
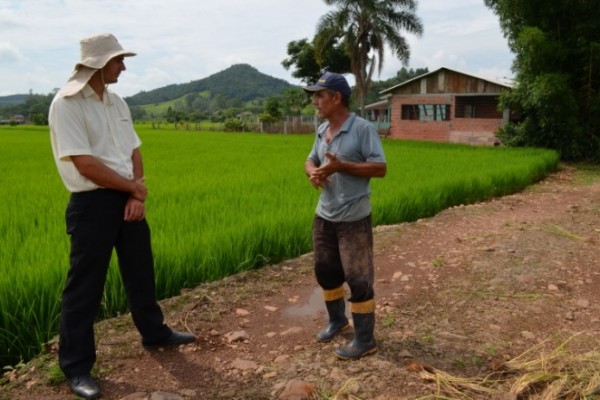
{"x": 95, "y": 224}
{"x": 343, "y": 252}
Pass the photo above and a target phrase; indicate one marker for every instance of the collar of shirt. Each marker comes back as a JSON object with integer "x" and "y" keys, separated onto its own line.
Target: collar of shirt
{"x": 345, "y": 127}
{"x": 87, "y": 91}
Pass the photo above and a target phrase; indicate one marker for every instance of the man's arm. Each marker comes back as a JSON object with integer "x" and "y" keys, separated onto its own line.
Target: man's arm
{"x": 92, "y": 169}
{"x": 309, "y": 167}
{"x": 138, "y": 166}
{"x": 364, "y": 169}
{"x": 316, "y": 180}
{"x": 135, "y": 209}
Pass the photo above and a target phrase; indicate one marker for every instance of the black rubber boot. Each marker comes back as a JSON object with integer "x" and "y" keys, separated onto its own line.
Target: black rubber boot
{"x": 363, "y": 342}
{"x": 337, "y": 320}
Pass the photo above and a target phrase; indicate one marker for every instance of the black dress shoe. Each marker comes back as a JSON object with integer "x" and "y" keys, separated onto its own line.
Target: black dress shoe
{"x": 175, "y": 339}
{"x": 85, "y": 387}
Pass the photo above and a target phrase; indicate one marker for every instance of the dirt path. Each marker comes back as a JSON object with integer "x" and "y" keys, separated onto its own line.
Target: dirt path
{"x": 458, "y": 292}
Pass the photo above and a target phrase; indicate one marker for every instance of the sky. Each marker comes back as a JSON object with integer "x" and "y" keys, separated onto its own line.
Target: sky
{"x": 179, "y": 41}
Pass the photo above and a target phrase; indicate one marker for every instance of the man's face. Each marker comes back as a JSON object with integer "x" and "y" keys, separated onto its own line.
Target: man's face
{"x": 113, "y": 69}
{"x": 325, "y": 102}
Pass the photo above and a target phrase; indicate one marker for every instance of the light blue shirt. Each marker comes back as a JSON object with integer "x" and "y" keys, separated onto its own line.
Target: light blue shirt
{"x": 346, "y": 197}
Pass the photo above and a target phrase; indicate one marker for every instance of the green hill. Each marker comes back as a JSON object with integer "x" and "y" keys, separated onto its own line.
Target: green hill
{"x": 13, "y": 99}
{"x": 240, "y": 83}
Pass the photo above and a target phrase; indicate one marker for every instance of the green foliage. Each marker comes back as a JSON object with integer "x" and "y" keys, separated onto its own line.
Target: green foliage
{"x": 233, "y": 125}
{"x": 12, "y": 99}
{"x": 402, "y": 76}
{"x": 239, "y": 83}
{"x": 237, "y": 89}
{"x": 33, "y": 106}
{"x": 272, "y": 110}
{"x": 310, "y": 64}
{"x": 301, "y": 54}
{"x": 293, "y": 101}
{"x": 175, "y": 117}
{"x": 556, "y": 98}
{"x": 55, "y": 374}
{"x": 138, "y": 113}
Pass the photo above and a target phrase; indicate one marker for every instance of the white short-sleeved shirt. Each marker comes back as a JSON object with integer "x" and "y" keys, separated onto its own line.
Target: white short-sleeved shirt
{"x": 83, "y": 124}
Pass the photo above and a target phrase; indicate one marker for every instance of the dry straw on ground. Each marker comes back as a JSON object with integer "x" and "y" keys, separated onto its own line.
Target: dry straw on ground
{"x": 554, "y": 369}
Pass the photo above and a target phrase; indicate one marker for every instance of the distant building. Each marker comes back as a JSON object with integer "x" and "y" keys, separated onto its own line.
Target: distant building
{"x": 18, "y": 118}
{"x": 443, "y": 106}
{"x": 13, "y": 119}
{"x": 378, "y": 114}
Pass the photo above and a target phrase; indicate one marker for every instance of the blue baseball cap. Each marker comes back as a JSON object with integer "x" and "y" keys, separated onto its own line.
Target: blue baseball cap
{"x": 331, "y": 81}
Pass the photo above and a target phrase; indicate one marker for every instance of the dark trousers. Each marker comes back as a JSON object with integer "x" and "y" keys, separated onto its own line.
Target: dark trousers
{"x": 96, "y": 226}
{"x": 343, "y": 252}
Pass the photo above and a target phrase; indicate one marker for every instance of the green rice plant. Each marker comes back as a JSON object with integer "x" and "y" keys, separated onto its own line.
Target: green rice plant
{"x": 429, "y": 177}
{"x": 218, "y": 204}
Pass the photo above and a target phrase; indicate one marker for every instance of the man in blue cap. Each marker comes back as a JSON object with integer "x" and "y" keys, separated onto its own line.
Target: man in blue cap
{"x": 346, "y": 154}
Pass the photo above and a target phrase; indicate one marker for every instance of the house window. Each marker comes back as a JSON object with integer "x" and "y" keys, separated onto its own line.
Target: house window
{"x": 426, "y": 112}
{"x": 477, "y": 107}
{"x": 469, "y": 111}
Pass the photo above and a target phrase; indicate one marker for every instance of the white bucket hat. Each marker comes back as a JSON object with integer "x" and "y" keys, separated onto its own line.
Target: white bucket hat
{"x": 96, "y": 51}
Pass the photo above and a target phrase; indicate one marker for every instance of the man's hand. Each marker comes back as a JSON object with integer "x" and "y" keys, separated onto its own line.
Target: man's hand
{"x": 333, "y": 165}
{"x": 134, "y": 210}
{"x": 141, "y": 191}
{"x": 319, "y": 177}
{"x": 317, "y": 181}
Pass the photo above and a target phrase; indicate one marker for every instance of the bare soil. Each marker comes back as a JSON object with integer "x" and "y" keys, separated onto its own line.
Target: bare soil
{"x": 455, "y": 293}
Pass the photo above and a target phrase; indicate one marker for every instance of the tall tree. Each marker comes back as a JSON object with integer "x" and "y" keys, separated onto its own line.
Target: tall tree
{"x": 365, "y": 27}
{"x": 293, "y": 100}
{"x": 301, "y": 54}
{"x": 557, "y": 75}
{"x": 309, "y": 66}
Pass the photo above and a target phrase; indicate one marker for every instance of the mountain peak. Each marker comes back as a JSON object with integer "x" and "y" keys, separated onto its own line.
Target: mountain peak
{"x": 238, "y": 82}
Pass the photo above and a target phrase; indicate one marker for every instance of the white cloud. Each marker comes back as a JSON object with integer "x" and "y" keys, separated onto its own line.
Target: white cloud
{"x": 183, "y": 40}
{"x": 10, "y": 54}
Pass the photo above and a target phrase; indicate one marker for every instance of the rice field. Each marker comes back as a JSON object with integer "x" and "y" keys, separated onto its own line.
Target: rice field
{"x": 219, "y": 203}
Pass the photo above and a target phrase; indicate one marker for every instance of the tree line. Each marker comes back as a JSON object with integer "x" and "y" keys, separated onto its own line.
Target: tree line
{"x": 290, "y": 102}
{"x": 198, "y": 106}
{"x": 34, "y": 108}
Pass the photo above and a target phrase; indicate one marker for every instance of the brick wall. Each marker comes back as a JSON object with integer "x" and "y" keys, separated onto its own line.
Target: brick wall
{"x": 461, "y": 130}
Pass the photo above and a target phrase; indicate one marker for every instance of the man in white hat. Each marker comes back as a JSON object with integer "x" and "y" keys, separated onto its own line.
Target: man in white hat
{"x": 97, "y": 154}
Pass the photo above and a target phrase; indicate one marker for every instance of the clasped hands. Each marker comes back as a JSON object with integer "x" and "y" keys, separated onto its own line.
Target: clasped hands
{"x": 319, "y": 177}
{"x": 135, "y": 209}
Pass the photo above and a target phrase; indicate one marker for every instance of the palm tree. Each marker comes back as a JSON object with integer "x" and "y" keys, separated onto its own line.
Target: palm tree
{"x": 365, "y": 27}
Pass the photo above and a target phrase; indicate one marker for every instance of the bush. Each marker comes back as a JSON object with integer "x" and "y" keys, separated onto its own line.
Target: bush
{"x": 234, "y": 125}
